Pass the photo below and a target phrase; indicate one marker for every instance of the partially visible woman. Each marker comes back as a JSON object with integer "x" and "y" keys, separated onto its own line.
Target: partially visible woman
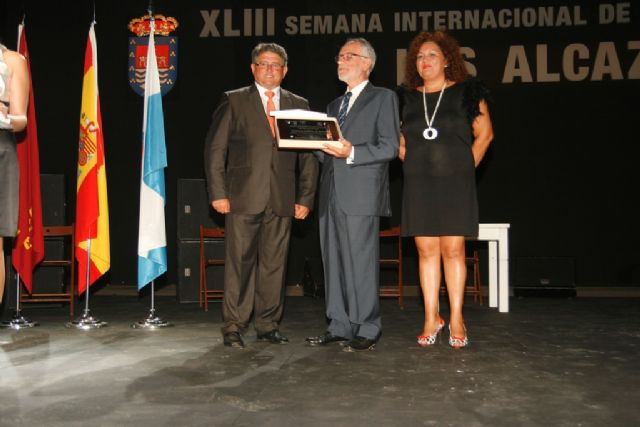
{"x": 446, "y": 130}
{"x": 14, "y": 96}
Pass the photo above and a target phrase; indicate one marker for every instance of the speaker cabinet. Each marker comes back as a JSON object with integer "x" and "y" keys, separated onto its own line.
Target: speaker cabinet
{"x": 194, "y": 209}
{"x": 52, "y": 188}
{"x": 189, "y": 269}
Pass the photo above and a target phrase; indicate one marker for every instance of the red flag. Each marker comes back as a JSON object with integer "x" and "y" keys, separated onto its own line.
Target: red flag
{"x": 28, "y": 248}
{"x": 92, "y": 209}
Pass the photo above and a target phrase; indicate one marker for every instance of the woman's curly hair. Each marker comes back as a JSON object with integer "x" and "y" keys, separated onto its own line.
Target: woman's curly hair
{"x": 456, "y": 70}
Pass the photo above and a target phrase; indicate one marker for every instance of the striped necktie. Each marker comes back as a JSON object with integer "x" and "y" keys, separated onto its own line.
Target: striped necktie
{"x": 342, "y": 114}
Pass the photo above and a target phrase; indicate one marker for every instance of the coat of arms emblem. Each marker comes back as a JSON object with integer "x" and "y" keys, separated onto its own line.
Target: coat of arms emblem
{"x": 166, "y": 52}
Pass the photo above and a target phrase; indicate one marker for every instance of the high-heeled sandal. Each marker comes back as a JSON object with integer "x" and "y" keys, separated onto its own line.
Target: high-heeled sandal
{"x": 426, "y": 340}
{"x": 458, "y": 342}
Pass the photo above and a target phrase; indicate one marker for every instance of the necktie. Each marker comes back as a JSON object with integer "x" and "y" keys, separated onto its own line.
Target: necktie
{"x": 271, "y": 107}
{"x": 342, "y": 114}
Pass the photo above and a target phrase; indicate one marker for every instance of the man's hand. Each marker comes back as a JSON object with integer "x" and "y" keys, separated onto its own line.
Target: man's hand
{"x": 222, "y": 206}
{"x": 301, "y": 212}
{"x": 340, "y": 152}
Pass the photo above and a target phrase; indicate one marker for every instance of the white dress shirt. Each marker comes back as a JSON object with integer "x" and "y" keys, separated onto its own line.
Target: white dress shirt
{"x": 355, "y": 92}
{"x": 265, "y": 98}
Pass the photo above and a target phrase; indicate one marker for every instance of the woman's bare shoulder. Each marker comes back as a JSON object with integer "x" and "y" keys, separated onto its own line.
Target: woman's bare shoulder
{"x": 12, "y": 57}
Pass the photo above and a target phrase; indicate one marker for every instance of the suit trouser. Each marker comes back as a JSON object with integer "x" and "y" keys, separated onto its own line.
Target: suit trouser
{"x": 350, "y": 253}
{"x": 256, "y": 248}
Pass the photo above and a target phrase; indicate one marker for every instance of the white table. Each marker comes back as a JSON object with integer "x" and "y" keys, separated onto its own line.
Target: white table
{"x": 498, "y": 237}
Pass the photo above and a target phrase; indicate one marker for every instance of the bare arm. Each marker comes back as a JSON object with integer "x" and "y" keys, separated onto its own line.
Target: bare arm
{"x": 482, "y": 133}
{"x": 18, "y": 90}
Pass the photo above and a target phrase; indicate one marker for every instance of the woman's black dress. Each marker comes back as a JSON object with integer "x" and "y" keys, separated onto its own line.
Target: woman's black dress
{"x": 439, "y": 197}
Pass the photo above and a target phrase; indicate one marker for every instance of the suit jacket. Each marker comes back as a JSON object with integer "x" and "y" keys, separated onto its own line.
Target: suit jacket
{"x": 243, "y": 164}
{"x": 373, "y": 127}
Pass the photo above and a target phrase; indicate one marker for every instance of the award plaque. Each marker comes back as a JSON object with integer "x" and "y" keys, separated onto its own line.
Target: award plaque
{"x": 309, "y": 130}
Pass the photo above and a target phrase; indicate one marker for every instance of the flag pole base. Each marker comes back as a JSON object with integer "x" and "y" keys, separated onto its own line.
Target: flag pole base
{"x": 86, "y": 322}
{"x": 151, "y": 322}
{"x": 18, "y": 322}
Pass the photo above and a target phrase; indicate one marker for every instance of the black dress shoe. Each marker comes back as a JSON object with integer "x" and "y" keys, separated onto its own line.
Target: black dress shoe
{"x": 274, "y": 337}
{"x": 233, "y": 339}
{"x": 324, "y": 339}
{"x": 359, "y": 344}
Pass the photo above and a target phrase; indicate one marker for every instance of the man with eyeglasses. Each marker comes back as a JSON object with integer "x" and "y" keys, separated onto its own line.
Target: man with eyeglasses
{"x": 354, "y": 193}
{"x": 254, "y": 184}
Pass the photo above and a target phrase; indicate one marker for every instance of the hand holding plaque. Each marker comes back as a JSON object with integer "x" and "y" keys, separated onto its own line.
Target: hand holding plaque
{"x": 302, "y": 129}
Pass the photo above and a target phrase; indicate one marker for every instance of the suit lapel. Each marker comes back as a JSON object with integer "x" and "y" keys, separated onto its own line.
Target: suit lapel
{"x": 285, "y": 100}
{"x": 257, "y": 108}
{"x": 359, "y": 104}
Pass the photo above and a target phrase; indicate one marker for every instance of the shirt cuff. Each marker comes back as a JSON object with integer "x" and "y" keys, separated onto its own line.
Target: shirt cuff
{"x": 351, "y": 157}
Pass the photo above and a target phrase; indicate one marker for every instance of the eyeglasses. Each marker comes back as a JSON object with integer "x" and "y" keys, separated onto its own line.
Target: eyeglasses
{"x": 265, "y": 65}
{"x": 429, "y": 55}
{"x": 346, "y": 57}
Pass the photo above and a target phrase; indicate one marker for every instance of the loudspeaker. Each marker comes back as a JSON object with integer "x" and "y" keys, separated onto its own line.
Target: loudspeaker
{"x": 53, "y": 199}
{"x": 194, "y": 209}
{"x": 189, "y": 268}
{"x": 545, "y": 276}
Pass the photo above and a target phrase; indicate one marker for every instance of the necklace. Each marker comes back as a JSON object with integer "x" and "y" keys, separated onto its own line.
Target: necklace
{"x": 430, "y": 132}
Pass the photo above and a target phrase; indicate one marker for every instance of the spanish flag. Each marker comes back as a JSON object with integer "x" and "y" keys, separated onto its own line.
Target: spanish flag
{"x": 28, "y": 248}
{"x": 92, "y": 209}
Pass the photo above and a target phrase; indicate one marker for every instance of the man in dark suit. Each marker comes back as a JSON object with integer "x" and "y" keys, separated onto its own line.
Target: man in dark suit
{"x": 254, "y": 184}
{"x": 354, "y": 193}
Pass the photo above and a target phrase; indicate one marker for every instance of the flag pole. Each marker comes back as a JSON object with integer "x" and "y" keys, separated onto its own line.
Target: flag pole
{"x": 152, "y": 321}
{"x": 18, "y": 321}
{"x": 24, "y": 257}
{"x": 87, "y": 321}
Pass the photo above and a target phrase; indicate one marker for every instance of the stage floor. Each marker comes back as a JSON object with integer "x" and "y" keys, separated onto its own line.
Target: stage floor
{"x": 549, "y": 362}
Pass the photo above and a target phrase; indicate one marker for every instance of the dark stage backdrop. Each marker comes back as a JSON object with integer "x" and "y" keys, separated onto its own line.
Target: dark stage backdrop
{"x": 562, "y": 169}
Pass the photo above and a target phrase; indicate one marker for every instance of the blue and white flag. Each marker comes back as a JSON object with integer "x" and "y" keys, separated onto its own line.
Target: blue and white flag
{"x": 152, "y": 237}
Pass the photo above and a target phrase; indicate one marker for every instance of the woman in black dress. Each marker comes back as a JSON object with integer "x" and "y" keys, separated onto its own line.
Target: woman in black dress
{"x": 14, "y": 96}
{"x": 446, "y": 130}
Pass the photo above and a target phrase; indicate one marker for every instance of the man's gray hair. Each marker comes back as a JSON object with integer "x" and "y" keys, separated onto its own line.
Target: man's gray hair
{"x": 268, "y": 47}
{"x": 370, "y": 52}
